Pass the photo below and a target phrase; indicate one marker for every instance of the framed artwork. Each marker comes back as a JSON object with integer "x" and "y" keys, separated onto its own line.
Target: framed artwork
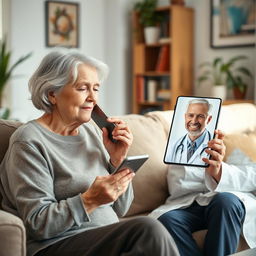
{"x": 233, "y": 23}
{"x": 62, "y": 24}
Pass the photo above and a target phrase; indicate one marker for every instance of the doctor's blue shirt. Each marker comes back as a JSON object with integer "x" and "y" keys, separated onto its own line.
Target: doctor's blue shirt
{"x": 198, "y": 141}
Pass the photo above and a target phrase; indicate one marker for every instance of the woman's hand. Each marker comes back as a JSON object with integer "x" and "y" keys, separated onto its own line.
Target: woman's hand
{"x": 123, "y": 135}
{"x": 217, "y": 151}
{"x": 106, "y": 189}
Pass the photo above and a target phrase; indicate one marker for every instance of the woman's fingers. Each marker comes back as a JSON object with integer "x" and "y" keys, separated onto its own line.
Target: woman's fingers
{"x": 122, "y": 179}
{"x": 121, "y": 131}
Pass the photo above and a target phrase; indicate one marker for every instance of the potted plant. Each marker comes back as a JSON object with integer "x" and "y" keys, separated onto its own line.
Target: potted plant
{"x": 214, "y": 73}
{"x": 6, "y": 70}
{"x": 226, "y": 75}
{"x": 149, "y": 19}
{"x": 235, "y": 77}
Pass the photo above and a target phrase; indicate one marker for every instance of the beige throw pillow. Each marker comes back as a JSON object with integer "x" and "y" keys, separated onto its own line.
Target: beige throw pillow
{"x": 246, "y": 142}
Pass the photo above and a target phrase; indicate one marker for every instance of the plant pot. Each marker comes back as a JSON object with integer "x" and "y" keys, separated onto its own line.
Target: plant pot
{"x": 238, "y": 94}
{"x": 219, "y": 91}
{"x": 151, "y": 34}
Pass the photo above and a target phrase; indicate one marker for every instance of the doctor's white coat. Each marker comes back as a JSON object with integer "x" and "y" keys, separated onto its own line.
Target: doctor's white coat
{"x": 187, "y": 184}
{"x": 177, "y": 153}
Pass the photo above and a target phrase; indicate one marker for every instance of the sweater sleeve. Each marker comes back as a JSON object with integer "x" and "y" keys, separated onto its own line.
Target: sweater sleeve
{"x": 31, "y": 185}
{"x": 123, "y": 203}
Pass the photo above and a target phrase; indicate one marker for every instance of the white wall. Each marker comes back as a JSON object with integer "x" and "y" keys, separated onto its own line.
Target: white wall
{"x": 203, "y": 51}
{"x": 28, "y": 35}
{"x": 117, "y": 44}
{"x": 105, "y": 34}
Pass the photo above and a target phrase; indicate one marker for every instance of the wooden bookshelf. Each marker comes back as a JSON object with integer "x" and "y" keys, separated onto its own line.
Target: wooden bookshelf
{"x": 174, "y": 76}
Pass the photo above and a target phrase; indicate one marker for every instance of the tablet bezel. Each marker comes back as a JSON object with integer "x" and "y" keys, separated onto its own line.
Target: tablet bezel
{"x": 176, "y": 115}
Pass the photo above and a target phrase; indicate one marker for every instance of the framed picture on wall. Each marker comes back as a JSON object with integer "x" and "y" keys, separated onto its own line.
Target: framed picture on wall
{"x": 233, "y": 23}
{"x": 62, "y": 24}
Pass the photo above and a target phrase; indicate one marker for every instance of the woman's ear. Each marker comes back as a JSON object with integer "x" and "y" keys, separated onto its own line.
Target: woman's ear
{"x": 51, "y": 97}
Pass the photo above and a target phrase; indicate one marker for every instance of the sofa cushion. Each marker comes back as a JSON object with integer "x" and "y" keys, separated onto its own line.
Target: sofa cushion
{"x": 6, "y": 130}
{"x": 245, "y": 142}
{"x": 149, "y": 184}
{"x": 13, "y": 235}
{"x": 236, "y": 118}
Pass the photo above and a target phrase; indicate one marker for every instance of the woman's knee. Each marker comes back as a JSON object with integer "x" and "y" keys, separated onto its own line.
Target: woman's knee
{"x": 148, "y": 224}
{"x": 149, "y": 227}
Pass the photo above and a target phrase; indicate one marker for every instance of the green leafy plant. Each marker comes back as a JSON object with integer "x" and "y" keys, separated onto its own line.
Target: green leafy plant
{"x": 227, "y": 73}
{"x": 147, "y": 11}
{"x": 236, "y": 75}
{"x": 6, "y": 69}
{"x": 4, "y": 113}
{"x": 213, "y": 72}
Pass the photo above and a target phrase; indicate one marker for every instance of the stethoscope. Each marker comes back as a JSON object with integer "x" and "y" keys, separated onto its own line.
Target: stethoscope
{"x": 181, "y": 146}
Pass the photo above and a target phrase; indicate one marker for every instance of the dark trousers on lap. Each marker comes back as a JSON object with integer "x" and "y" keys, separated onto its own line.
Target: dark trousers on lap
{"x": 134, "y": 237}
{"x": 223, "y": 218}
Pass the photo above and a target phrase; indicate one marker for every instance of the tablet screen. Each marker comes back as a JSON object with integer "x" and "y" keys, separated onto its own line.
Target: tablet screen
{"x": 193, "y": 125}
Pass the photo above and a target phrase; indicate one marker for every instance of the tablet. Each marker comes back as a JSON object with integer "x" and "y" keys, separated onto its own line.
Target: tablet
{"x": 132, "y": 162}
{"x": 193, "y": 124}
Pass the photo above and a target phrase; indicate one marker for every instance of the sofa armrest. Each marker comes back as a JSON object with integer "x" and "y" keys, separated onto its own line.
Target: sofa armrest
{"x": 13, "y": 235}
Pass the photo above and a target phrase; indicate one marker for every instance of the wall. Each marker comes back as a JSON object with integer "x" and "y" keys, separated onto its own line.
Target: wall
{"x": 203, "y": 51}
{"x": 28, "y": 35}
{"x": 118, "y": 56}
{"x": 106, "y": 34}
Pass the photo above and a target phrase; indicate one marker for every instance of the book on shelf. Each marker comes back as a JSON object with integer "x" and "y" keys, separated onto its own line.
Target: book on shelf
{"x": 140, "y": 81}
{"x": 165, "y": 83}
{"x": 151, "y": 90}
{"x": 163, "y": 61}
{"x": 163, "y": 94}
{"x": 164, "y": 40}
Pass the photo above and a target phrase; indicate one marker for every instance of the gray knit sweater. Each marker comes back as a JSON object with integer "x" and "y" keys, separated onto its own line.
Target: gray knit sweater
{"x": 42, "y": 177}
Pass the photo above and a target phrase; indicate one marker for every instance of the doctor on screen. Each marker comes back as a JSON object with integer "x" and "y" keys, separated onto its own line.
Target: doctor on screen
{"x": 190, "y": 148}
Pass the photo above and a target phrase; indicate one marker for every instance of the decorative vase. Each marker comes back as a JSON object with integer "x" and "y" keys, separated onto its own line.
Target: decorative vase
{"x": 151, "y": 34}
{"x": 219, "y": 91}
{"x": 238, "y": 94}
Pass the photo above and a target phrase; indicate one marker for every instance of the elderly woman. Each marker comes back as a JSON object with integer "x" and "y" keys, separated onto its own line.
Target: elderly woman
{"x": 56, "y": 174}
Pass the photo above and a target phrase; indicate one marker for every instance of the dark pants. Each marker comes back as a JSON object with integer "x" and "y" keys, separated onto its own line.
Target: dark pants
{"x": 223, "y": 218}
{"x": 138, "y": 236}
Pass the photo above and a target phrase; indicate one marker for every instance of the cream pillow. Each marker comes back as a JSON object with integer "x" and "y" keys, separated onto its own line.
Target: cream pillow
{"x": 150, "y": 185}
{"x": 245, "y": 142}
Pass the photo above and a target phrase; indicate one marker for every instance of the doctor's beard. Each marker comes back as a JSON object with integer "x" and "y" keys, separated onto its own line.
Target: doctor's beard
{"x": 196, "y": 133}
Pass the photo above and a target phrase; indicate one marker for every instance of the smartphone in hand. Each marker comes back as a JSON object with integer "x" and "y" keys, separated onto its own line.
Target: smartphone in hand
{"x": 132, "y": 162}
{"x": 100, "y": 118}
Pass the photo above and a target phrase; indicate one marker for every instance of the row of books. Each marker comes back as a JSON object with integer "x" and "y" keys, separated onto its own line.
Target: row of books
{"x": 151, "y": 90}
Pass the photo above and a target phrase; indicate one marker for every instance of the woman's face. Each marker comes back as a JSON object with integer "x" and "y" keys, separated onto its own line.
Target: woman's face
{"x": 74, "y": 103}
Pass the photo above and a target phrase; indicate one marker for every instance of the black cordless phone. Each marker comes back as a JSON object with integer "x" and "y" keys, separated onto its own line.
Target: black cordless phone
{"x": 100, "y": 118}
